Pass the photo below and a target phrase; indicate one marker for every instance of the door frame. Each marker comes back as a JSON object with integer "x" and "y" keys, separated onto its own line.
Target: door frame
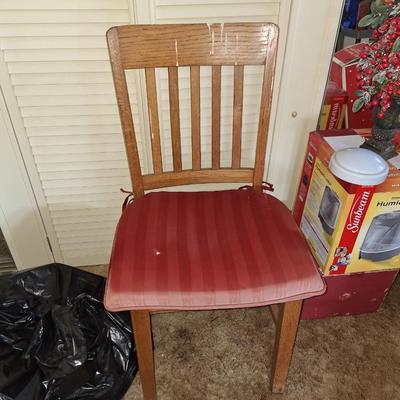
{"x": 311, "y": 39}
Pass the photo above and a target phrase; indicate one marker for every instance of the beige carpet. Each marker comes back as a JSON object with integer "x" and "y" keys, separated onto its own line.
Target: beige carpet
{"x": 226, "y": 355}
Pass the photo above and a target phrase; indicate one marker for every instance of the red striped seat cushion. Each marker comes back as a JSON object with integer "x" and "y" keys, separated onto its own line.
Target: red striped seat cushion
{"x": 208, "y": 250}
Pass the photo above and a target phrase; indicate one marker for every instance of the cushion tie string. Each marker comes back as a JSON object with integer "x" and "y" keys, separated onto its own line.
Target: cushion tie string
{"x": 128, "y": 199}
{"x": 265, "y": 187}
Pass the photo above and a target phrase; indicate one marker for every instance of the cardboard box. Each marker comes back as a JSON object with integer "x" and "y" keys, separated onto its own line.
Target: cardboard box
{"x": 333, "y": 109}
{"x": 347, "y": 294}
{"x": 349, "y": 228}
{"x": 343, "y": 73}
{"x": 350, "y": 295}
{"x": 314, "y": 142}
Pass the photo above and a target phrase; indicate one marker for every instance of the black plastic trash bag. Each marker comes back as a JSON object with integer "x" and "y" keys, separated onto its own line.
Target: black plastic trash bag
{"x": 58, "y": 342}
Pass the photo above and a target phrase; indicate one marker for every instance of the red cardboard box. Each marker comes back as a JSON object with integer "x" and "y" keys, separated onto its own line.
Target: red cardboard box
{"x": 343, "y": 73}
{"x": 350, "y": 295}
{"x": 334, "y": 107}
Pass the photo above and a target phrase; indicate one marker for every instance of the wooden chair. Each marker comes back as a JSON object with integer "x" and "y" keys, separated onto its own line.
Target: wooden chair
{"x": 203, "y": 250}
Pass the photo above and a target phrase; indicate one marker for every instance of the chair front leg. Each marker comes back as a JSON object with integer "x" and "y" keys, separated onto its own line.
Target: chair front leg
{"x": 141, "y": 324}
{"x": 286, "y": 329}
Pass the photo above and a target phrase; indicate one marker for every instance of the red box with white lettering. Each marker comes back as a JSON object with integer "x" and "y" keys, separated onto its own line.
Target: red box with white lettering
{"x": 334, "y": 107}
{"x": 349, "y": 228}
{"x": 343, "y": 73}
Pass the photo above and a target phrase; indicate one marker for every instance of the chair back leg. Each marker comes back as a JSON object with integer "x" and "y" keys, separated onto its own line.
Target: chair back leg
{"x": 141, "y": 325}
{"x": 286, "y": 329}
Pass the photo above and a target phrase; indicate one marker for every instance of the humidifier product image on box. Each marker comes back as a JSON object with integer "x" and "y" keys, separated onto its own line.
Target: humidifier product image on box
{"x": 328, "y": 210}
{"x": 382, "y": 240}
{"x": 324, "y": 205}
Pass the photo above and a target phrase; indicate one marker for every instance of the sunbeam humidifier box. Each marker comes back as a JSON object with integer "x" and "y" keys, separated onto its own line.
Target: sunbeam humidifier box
{"x": 349, "y": 217}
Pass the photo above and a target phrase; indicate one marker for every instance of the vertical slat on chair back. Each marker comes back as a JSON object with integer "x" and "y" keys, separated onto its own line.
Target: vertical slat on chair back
{"x": 216, "y": 117}
{"x": 237, "y": 115}
{"x": 154, "y": 46}
{"x": 195, "y": 116}
{"x": 174, "y": 118}
{"x": 153, "y": 120}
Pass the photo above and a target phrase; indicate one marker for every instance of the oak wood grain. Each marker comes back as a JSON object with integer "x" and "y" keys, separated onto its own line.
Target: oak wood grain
{"x": 142, "y": 46}
{"x": 195, "y": 116}
{"x": 174, "y": 117}
{"x": 275, "y": 312}
{"x": 287, "y": 324}
{"x": 237, "y": 115}
{"x": 216, "y": 117}
{"x": 141, "y": 326}
{"x": 265, "y": 110}
{"x": 153, "y": 119}
{"x": 167, "y": 45}
{"x": 188, "y": 177}
{"x": 125, "y": 113}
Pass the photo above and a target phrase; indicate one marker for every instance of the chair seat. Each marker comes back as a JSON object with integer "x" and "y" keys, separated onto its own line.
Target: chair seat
{"x": 208, "y": 250}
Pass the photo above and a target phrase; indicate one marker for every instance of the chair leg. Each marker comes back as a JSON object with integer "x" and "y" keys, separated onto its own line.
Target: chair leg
{"x": 286, "y": 329}
{"x": 141, "y": 324}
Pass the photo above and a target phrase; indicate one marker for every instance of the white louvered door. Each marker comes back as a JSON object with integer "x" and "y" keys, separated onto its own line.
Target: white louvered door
{"x": 56, "y": 80}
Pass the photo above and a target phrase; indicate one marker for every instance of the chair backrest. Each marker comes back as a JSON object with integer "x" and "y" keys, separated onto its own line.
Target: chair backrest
{"x": 193, "y": 45}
